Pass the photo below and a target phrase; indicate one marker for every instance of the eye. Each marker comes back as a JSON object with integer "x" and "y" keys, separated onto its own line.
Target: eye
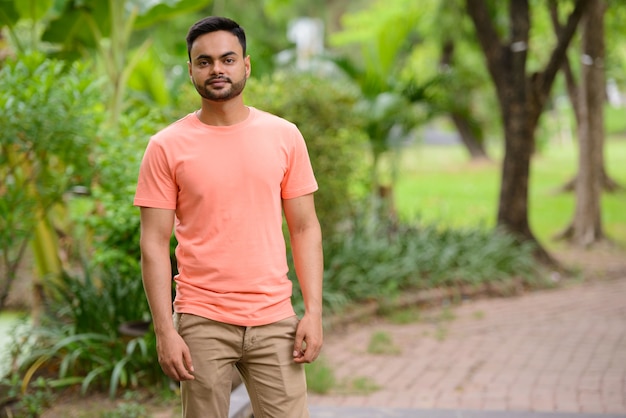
{"x": 229, "y": 60}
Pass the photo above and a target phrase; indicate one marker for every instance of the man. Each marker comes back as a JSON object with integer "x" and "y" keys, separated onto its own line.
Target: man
{"x": 222, "y": 177}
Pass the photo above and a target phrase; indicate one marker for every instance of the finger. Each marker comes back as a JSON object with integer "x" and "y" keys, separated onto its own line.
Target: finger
{"x": 298, "y": 351}
{"x": 311, "y": 355}
{"x": 311, "y": 351}
{"x": 171, "y": 372}
{"x": 184, "y": 374}
{"x": 178, "y": 370}
{"x": 187, "y": 361}
{"x": 184, "y": 368}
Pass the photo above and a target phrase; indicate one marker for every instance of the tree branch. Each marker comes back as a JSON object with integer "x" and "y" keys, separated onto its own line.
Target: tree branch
{"x": 566, "y": 68}
{"x": 564, "y": 36}
{"x": 487, "y": 37}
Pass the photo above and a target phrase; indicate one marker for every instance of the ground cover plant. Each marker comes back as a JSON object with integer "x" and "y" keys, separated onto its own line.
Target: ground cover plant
{"x": 379, "y": 260}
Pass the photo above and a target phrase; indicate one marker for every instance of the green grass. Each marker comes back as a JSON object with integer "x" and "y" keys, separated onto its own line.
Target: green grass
{"x": 381, "y": 342}
{"x": 320, "y": 377}
{"x": 358, "y": 385}
{"x": 438, "y": 184}
{"x": 405, "y": 315}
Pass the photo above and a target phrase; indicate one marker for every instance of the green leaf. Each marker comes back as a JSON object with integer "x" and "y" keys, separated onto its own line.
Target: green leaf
{"x": 68, "y": 381}
{"x": 91, "y": 376}
{"x": 166, "y": 10}
{"x": 70, "y": 29}
{"x": 118, "y": 376}
{"x": 8, "y": 13}
{"x": 33, "y": 9}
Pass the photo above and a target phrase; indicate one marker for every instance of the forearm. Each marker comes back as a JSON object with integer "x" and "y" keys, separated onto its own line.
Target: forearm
{"x": 309, "y": 264}
{"x": 157, "y": 282}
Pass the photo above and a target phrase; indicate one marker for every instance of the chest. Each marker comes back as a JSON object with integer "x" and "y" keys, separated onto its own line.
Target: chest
{"x": 212, "y": 165}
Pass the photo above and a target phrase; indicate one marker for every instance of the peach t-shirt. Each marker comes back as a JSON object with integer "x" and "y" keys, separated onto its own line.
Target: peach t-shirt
{"x": 226, "y": 184}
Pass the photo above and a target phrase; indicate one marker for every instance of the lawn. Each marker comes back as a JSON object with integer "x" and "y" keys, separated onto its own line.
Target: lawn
{"x": 438, "y": 184}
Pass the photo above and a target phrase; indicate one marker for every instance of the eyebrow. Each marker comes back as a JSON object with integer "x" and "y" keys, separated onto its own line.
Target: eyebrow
{"x": 224, "y": 55}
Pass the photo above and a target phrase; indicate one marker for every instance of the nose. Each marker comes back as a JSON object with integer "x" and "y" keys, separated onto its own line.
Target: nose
{"x": 217, "y": 69}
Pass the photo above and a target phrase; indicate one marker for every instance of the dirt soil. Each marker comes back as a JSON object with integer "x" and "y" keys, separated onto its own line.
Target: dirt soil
{"x": 604, "y": 263}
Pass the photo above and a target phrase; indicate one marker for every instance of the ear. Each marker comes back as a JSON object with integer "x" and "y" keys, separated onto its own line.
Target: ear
{"x": 247, "y": 66}
{"x": 189, "y": 69}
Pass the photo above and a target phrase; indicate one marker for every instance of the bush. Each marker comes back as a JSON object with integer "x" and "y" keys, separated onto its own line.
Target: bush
{"x": 323, "y": 110}
{"x": 377, "y": 261}
{"x": 115, "y": 227}
{"x": 79, "y": 340}
{"x": 49, "y": 116}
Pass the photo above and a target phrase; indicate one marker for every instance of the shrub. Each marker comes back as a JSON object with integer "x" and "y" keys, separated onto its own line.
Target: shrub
{"x": 49, "y": 116}
{"x": 115, "y": 227}
{"x": 79, "y": 339}
{"x": 377, "y": 261}
{"x": 323, "y": 108}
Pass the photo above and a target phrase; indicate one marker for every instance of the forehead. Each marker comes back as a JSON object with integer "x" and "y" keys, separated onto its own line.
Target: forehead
{"x": 216, "y": 44}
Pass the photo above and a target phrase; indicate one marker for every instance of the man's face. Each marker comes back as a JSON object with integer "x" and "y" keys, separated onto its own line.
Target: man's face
{"x": 218, "y": 68}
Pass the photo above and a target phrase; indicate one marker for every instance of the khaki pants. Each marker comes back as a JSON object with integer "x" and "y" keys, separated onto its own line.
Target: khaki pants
{"x": 262, "y": 355}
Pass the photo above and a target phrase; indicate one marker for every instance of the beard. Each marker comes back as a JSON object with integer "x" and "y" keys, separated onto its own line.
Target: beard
{"x": 223, "y": 94}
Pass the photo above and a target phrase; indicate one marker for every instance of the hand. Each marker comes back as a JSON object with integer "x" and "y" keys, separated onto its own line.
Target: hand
{"x": 309, "y": 338}
{"x": 174, "y": 356}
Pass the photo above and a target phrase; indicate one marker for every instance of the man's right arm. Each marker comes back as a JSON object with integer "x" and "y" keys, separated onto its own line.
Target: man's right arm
{"x": 156, "y": 230}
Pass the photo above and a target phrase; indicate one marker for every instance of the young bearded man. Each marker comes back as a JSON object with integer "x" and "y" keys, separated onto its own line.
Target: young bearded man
{"x": 223, "y": 177}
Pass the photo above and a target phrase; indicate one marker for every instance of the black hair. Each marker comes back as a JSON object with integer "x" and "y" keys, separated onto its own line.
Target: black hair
{"x": 213, "y": 24}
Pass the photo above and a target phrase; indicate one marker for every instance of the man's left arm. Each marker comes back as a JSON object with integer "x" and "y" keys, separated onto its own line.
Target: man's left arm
{"x": 306, "y": 244}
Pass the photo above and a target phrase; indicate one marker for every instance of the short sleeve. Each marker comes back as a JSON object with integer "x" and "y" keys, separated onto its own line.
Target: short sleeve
{"x": 299, "y": 178}
{"x": 156, "y": 186}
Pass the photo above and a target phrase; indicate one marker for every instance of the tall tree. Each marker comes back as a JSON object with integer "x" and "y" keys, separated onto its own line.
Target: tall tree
{"x": 573, "y": 91}
{"x": 586, "y": 227}
{"x": 461, "y": 84}
{"x": 522, "y": 97}
{"x": 459, "y": 109}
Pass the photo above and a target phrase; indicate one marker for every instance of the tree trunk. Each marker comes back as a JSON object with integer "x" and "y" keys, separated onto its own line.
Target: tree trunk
{"x": 522, "y": 99}
{"x": 469, "y": 131}
{"x": 470, "y": 140}
{"x": 607, "y": 183}
{"x": 586, "y": 227}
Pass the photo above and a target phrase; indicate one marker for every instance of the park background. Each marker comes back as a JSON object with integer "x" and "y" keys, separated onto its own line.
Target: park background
{"x": 403, "y": 123}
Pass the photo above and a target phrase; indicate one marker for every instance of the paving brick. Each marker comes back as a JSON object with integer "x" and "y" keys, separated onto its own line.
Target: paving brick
{"x": 561, "y": 350}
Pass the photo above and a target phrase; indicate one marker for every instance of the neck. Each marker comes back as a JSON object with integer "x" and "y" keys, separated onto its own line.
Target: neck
{"x": 223, "y": 113}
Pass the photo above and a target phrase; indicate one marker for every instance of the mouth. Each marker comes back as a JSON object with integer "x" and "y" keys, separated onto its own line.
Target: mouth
{"x": 218, "y": 81}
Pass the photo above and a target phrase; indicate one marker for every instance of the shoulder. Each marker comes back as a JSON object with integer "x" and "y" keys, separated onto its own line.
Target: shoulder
{"x": 174, "y": 129}
{"x": 269, "y": 119}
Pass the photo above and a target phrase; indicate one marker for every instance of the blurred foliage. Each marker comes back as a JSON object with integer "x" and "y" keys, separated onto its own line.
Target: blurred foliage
{"x": 50, "y": 143}
{"x": 53, "y": 138}
{"x": 379, "y": 260}
{"x": 91, "y": 21}
{"x": 50, "y": 114}
{"x": 112, "y": 218}
{"x": 383, "y": 33}
{"x": 380, "y": 38}
{"x": 323, "y": 108}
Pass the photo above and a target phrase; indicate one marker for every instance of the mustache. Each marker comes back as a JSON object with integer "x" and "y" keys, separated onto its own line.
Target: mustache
{"x": 218, "y": 77}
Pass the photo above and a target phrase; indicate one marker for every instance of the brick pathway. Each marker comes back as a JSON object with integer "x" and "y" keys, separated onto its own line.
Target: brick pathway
{"x": 558, "y": 350}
